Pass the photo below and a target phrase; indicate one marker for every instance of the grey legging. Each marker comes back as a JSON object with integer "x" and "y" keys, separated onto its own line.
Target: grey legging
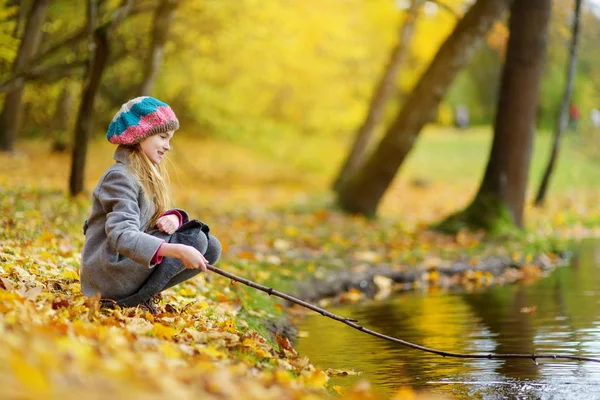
{"x": 212, "y": 253}
{"x": 170, "y": 271}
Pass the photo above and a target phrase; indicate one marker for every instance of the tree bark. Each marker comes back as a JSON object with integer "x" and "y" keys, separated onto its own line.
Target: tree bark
{"x": 85, "y": 115}
{"x": 98, "y": 48}
{"x": 11, "y": 112}
{"x": 563, "y": 118}
{"x": 362, "y": 191}
{"x": 63, "y": 116}
{"x": 160, "y": 31}
{"x": 381, "y": 95}
{"x": 98, "y": 59}
{"x": 19, "y": 17}
{"x": 498, "y": 205}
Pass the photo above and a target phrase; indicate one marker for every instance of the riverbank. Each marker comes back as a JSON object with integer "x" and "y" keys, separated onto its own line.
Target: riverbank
{"x": 213, "y": 337}
{"x": 275, "y": 218}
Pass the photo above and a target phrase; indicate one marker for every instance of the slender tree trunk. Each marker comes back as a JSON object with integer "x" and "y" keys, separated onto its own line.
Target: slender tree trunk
{"x": 11, "y": 112}
{"x": 83, "y": 126}
{"x": 162, "y": 20}
{"x": 99, "y": 53}
{"x": 62, "y": 117}
{"x": 563, "y": 118}
{"x": 498, "y": 205}
{"x": 381, "y": 95}
{"x": 85, "y": 116}
{"x": 19, "y": 17}
{"x": 362, "y": 191}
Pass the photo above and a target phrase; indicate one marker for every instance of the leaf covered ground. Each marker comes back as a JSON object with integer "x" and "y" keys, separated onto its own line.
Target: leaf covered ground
{"x": 272, "y": 212}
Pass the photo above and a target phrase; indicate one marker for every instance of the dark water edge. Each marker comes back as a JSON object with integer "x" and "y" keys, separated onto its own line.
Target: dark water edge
{"x": 559, "y": 314}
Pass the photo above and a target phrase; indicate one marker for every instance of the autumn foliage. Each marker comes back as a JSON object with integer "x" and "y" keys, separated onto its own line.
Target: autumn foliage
{"x": 54, "y": 341}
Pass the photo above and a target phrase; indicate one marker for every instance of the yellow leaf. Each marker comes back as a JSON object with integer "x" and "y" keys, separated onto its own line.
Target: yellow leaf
{"x": 69, "y": 274}
{"x": 149, "y": 316}
{"x": 170, "y": 350}
{"x": 212, "y": 352}
{"x": 29, "y": 376}
{"x": 45, "y": 238}
{"x": 559, "y": 219}
{"x": 317, "y": 379}
{"x": 246, "y": 255}
{"x": 282, "y": 377}
{"x": 260, "y": 353}
{"x": 229, "y": 326}
{"x": 338, "y": 389}
{"x": 187, "y": 292}
{"x": 433, "y": 276}
{"x": 405, "y": 393}
{"x": 163, "y": 332}
{"x": 352, "y": 296}
{"x": 291, "y": 231}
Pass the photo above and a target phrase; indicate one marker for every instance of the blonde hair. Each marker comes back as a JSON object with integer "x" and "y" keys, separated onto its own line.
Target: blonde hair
{"x": 154, "y": 179}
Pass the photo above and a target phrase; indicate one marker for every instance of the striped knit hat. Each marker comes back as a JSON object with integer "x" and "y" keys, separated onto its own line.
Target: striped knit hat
{"x": 139, "y": 118}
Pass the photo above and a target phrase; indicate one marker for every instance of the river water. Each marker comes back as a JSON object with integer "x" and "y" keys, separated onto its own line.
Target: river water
{"x": 559, "y": 314}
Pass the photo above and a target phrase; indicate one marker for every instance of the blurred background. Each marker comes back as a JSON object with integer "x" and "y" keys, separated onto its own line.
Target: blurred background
{"x": 280, "y": 84}
{"x": 239, "y": 68}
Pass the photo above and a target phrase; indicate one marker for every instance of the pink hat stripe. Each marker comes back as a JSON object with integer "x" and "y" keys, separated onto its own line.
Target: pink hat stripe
{"x": 162, "y": 115}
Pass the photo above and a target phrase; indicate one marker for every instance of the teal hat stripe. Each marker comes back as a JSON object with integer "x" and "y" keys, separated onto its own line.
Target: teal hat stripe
{"x": 132, "y": 116}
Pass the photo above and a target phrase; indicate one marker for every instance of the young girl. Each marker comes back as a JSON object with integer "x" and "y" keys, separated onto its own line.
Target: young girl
{"x": 135, "y": 246}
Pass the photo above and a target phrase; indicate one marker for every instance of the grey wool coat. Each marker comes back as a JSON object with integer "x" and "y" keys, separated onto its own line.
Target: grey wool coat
{"x": 118, "y": 249}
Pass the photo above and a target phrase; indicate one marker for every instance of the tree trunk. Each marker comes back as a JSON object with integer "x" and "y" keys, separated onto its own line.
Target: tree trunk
{"x": 98, "y": 60}
{"x": 62, "y": 117}
{"x": 162, "y": 20}
{"x": 11, "y": 112}
{"x": 84, "y": 124}
{"x": 19, "y": 17}
{"x": 361, "y": 192}
{"x": 498, "y": 205}
{"x": 85, "y": 115}
{"x": 381, "y": 95}
{"x": 563, "y": 118}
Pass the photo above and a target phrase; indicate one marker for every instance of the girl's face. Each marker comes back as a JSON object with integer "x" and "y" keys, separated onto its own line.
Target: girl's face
{"x": 156, "y": 146}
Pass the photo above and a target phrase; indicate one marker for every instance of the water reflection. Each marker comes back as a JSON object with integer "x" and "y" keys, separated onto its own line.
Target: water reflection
{"x": 558, "y": 314}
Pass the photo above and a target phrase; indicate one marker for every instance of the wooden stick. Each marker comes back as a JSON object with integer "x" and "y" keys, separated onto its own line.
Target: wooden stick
{"x": 353, "y": 324}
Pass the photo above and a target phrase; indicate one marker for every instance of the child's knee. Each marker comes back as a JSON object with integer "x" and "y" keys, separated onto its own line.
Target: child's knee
{"x": 202, "y": 244}
{"x": 213, "y": 252}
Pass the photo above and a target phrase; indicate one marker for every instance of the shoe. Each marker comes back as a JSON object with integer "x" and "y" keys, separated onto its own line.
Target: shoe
{"x": 151, "y": 305}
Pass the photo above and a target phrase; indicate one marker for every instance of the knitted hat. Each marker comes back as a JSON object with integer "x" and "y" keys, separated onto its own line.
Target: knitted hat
{"x": 139, "y": 118}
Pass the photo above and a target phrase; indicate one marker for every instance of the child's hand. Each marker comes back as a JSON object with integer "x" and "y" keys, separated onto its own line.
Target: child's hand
{"x": 168, "y": 224}
{"x": 192, "y": 258}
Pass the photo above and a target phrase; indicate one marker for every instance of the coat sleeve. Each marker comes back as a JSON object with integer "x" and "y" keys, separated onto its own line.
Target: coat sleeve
{"x": 184, "y": 217}
{"x": 118, "y": 196}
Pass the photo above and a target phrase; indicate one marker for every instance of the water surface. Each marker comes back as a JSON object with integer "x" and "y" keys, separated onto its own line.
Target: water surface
{"x": 559, "y": 314}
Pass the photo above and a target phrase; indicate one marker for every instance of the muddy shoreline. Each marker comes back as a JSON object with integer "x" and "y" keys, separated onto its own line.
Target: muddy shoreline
{"x": 381, "y": 281}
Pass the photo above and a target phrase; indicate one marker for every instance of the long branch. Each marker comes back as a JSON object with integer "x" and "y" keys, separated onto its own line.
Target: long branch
{"x": 40, "y": 71}
{"x": 353, "y": 324}
{"x": 32, "y": 69}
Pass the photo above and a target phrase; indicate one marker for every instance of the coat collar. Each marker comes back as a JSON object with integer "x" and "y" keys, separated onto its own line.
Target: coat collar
{"x": 122, "y": 154}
